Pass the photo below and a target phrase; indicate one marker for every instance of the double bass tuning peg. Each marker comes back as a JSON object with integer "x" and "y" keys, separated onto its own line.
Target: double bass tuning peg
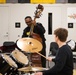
{"x": 38, "y": 13}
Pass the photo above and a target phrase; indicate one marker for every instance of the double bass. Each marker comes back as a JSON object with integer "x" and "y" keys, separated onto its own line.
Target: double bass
{"x": 36, "y": 58}
{"x": 38, "y": 12}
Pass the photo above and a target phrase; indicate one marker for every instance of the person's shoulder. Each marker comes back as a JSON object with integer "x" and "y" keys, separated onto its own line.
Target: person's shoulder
{"x": 25, "y": 28}
{"x": 38, "y": 23}
{"x": 65, "y": 48}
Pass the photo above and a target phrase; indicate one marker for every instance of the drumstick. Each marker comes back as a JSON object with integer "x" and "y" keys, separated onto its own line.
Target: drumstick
{"x": 42, "y": 55}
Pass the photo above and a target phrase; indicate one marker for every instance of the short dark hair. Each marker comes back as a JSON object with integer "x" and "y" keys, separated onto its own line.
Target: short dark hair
{"x": 62, "y": 34}
{"x": 28, "y": 17}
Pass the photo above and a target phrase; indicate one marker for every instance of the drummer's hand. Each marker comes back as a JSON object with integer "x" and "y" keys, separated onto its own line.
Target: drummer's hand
{"x": 49, "y": 58}
{"x": 38, "y": 73}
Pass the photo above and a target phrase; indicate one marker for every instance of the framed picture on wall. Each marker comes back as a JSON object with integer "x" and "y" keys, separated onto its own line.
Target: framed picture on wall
{"x": 70, "y": 25}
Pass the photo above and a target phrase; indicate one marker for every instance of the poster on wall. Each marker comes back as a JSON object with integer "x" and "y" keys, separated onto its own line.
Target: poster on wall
{"x": 71, "y": 15}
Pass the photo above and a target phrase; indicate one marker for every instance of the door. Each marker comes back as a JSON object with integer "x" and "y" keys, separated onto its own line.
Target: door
{"x": 3, "y": 24}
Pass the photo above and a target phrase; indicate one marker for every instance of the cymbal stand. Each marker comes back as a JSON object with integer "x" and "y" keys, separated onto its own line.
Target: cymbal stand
{"x": 30, "y": 62}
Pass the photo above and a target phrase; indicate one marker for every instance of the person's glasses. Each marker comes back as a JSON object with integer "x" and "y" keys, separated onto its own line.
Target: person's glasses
{"x": 28, "y": 22}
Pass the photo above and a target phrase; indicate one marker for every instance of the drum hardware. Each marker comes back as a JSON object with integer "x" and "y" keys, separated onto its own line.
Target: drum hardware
{"x": 30, "y": 45}
{"x": 7, "y": 65}
{"x": 30, "y": 69}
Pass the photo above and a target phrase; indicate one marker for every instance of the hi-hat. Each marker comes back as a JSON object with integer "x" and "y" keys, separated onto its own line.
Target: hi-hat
{"x": 29, "y": 45}
{"x": 32, "y": 69}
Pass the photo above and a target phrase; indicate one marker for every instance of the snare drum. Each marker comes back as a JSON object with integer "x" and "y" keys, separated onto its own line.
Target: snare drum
{"x": 7, "y": 65}
{"x": 20, "y": 58}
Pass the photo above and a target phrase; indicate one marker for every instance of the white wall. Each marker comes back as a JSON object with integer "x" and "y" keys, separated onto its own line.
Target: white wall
{"x": 17, "y": 13}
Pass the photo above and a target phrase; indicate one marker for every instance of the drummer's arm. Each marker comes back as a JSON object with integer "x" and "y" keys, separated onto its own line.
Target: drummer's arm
{"x": 39, "y": 73}
{"x": 51, "y": 59}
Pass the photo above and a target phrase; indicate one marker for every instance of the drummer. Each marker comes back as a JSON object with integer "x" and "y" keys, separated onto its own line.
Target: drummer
{"x": 64, "y": 58}
{"x": 38, "y": 33}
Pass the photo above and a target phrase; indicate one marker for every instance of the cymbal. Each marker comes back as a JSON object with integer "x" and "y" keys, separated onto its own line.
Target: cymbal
{"x": 0, "y": 74}
{"x": 32, "y": 69}
{"x": 29, "y": 45}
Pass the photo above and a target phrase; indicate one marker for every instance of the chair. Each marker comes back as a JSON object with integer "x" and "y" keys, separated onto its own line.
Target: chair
{"x": 53, "y": 48}
{"x": 52, "y": 52}
{"x": 8, "y": 46}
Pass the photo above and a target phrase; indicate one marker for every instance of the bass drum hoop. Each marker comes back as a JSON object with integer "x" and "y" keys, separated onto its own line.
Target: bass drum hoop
{"x": 10, "y": 61}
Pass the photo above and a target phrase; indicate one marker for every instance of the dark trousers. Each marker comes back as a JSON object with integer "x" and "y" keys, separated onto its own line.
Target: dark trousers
{"x": 43, "y": 52}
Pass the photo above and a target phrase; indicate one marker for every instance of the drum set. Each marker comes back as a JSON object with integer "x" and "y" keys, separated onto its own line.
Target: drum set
{"x": 18, "y": 62}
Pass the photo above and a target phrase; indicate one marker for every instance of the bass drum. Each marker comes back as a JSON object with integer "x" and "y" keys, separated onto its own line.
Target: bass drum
{"x": 7, "y": 65}
{"x": 20, "y": 58}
